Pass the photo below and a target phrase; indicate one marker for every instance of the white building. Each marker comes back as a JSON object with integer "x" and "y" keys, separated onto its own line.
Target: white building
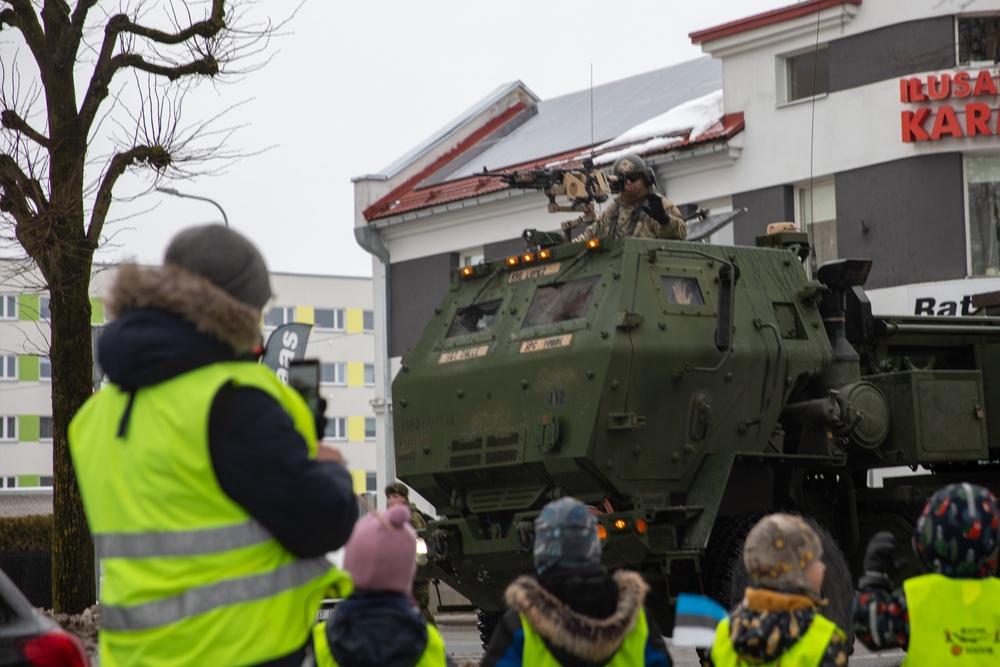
{"x": 342, "y": 339}
{"x": 872, "y": 125}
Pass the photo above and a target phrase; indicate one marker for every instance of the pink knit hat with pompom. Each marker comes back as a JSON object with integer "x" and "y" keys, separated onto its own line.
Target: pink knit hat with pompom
{"x": 382, "y": 552}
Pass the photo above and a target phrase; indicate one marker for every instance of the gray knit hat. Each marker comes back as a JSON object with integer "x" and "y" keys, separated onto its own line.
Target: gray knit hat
{"x": 228, "y": 259}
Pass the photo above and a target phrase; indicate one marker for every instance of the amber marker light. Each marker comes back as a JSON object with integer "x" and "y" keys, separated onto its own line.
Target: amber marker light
{"x": 593, "y": 243}
{"x": 527, "y": 257}
{"x": 466, "y": 271}
{"x": 513, "y": 261}
{"x": 620, "y": 524}
{"x": 602, "y": 532}
{"x": 640, "y": 526}
{"x": 544, "y": 254}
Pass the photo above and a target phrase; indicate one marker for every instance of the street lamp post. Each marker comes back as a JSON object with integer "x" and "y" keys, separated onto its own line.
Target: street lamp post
{"x": 171, "y": 191}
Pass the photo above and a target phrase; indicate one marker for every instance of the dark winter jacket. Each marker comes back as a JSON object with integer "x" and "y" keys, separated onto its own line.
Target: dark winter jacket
{"x": 767, "y": 623}
{"x": 168, "y": 323}
{"x": 582, "y": 615}
{"x": 377, "y": 629}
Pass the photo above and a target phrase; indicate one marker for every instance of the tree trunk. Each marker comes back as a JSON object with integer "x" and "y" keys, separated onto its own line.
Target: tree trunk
{"x": 73, "y": 574}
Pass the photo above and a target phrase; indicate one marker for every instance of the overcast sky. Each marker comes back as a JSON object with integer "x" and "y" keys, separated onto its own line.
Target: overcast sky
{"x": 354, "y": 86}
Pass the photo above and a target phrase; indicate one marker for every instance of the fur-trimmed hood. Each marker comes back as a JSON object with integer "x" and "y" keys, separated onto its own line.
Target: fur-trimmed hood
{"x": 190, "y": 296}
{"x": 590, "y": 639}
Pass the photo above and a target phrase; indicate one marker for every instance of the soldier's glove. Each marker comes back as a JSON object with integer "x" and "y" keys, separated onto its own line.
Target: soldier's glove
{"x": 654, "y": 206}
{"x": 880, "y": 563}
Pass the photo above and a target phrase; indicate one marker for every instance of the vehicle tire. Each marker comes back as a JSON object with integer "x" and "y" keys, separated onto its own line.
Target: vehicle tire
{"x": 838, "y": 584}
{"x": 487, "y": 621}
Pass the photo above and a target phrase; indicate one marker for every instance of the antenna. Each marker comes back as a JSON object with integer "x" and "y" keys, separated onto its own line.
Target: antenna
{"x": 591, "y": 109}
{"x": 812, "y": 144}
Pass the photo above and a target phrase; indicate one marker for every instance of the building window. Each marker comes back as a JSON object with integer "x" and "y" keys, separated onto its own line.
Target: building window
{"x": 45, "y": 429}
{"x": 471, "y": 256}
{"x": 44, "y": 368}
{"x": 982, "y": 174}
{"x": 333, "y": 373}
{"x": 8, "y": 307}
{"x": 818, "y": 216}
{"x": 331, "y": 319}
{"x": 46, "y": 481}
{"x": 8, "y": 429}
{"x": 978, "y": 40}
{"x": 367, "y": 320}
{"x": 336, "y": 428}
{"x": 8, "y": 367}
{"x": 807, "y": 74}
{"x": 371, "y": 482}
{"x": 369, "y": 428}
{"x": 279, "y": 315}
{"x": 369, "y": 375}
{"x": 44, "y": 311}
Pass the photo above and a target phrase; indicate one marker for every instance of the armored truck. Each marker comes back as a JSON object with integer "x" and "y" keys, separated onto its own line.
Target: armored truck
{"x": 682, "y": 390}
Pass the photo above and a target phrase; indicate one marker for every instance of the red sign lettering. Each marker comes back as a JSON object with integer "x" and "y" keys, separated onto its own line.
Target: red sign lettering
{"x": 913, "y": 125}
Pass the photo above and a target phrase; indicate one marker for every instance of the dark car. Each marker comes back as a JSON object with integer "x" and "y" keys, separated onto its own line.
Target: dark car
{"x": 28, "y": 638}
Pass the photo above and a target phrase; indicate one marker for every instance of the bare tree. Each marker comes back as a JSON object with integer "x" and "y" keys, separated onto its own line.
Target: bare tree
{"x": 133, "y": 68}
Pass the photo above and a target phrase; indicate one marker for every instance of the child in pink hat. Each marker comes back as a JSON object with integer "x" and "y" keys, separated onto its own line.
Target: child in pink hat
{"x": 379, "y": 624}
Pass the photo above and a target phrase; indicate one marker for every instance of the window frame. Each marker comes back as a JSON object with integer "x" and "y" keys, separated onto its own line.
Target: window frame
{"x": 374, "y": 428}
{"x": 5, "y": 363}
{"x": 8, "y": 428}
{"x": 959, "y": 63}
{"x": 366, "y": 316}
{"x": 44, "y": 362}
{"x": 367, "y": 382}
{"x": 339, "y": 426}
{"x": 339, "y": 373}
{"x": 287, "y": 316}
{"x": 339, "y": 319}
{"x": 785, "y": 72}
{"x": 9, "y": 307}
{"x": 44, "y": 308}
{"x": 50, "y": 437}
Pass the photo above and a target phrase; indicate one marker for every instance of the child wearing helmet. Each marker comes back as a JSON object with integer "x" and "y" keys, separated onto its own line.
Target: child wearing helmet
{"x": 950, "y": 613}
{"x": 779, "y": 621}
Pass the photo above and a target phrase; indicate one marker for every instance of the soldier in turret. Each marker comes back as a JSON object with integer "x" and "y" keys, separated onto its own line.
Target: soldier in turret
{"x": 640, "y": 210}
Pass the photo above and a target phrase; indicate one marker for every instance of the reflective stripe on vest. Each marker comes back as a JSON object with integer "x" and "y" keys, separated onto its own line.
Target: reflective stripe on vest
{"x": 434, "y": 653}
{"x": 631, "y": 652}
{"x": 189, "y": 576}
{"x": 806, "y": 652}
{"x": 953, "y": 621}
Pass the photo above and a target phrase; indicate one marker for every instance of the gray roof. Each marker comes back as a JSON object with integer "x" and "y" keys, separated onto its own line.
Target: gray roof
{"x": 565, "y": 123}
{"x": 25, "y": 502}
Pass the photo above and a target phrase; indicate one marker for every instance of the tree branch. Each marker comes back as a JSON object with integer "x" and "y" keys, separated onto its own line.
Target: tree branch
{"x": 155, "y": 156}
{"x": 21, "y": 15}
{"x": 108, "y": 64}
{"x": 206, "y": 66}
{"x": 15, "y": 190}
{"x": 10, "y": 120}
{"x": 80, "y": 13}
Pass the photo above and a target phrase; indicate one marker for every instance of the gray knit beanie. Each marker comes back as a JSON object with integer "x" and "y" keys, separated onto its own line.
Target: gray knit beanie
{"x": 228, "y": 259}
{"x": 566, "y": 536}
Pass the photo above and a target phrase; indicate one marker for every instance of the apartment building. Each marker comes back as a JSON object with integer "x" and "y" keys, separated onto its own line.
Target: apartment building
{"x": 339, "y": 308}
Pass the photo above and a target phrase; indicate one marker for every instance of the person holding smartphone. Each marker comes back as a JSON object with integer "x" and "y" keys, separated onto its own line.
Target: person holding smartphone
{"x": 211, "y": 503}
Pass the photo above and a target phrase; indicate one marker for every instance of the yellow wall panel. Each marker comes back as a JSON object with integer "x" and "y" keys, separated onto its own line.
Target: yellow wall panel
{"x": 356, "y": 429}
{"x": 305, "y": 314}
{"x": 355, "y": 374}
{"x": 360, "y": 480}
{"x": 355, "y": 320}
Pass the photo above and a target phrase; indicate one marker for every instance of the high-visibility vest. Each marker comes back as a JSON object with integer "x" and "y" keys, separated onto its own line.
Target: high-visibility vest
{"x": 631, "y": 652}
{"x": 953, "y": 621}
{"x": 189, "y": 576}
{"x": 806, "y": 652}
{"x": 434, "y": 653}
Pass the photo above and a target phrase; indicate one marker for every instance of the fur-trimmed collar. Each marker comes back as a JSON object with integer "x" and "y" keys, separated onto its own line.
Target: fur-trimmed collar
{"x": 591, "y": 639}
{"x": 190, "y": 296}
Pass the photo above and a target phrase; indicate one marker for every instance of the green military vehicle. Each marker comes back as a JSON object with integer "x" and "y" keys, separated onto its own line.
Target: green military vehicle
{"x": 682, "y": 390}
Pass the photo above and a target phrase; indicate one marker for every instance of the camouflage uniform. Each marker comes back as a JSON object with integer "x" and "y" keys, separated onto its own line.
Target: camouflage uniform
{"x": 421, "y": 586}
{"x": 644, "y": 225}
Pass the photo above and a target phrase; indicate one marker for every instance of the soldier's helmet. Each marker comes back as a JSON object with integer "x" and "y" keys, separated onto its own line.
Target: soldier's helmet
{"x": 630, "y": 165}
{"x": 397, "y": 487}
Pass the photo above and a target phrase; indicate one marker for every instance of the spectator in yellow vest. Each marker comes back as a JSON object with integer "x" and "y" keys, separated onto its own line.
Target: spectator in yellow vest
{"x": 378, "y": 624}
{"x": 211, "y": 503}
{"x": 950, "y": 614}
{"x": 778, "y": 620}
{"x": 575, "y": 613}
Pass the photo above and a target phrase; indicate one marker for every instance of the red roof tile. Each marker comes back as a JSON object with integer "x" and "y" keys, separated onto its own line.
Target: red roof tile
{"x": 767, "y": 18}
{"x": 410, "y": 197}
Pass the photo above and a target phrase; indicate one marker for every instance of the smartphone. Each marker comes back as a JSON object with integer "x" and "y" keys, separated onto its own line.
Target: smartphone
{"x": 303, "y": 377}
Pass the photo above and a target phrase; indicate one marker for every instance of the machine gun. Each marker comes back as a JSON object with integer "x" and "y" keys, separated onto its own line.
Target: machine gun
{"x": 581, "y": 187}
{"x": 587, "y": 185}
